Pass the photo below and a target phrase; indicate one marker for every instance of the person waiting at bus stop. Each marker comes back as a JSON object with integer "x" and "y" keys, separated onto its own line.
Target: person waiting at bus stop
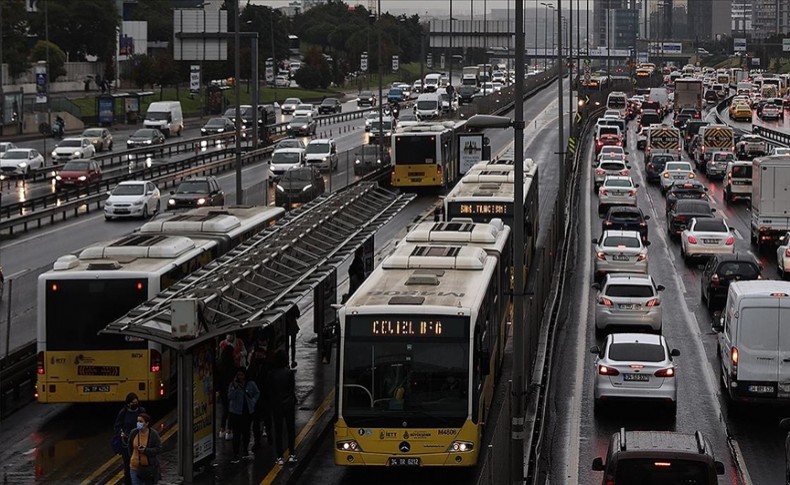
{"x": 242, "y": 396}
{"x": 282, "y": 384}
{"x": 125, "y": 423}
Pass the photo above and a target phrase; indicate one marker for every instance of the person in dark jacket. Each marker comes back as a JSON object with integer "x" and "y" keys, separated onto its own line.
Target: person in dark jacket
{"x": 125, "y": 423}
{"x": 226, "y": 370}
{"x": 260, "y": 365}
{"x": 282, "y": 386}
{"x": 242, "y": 396}
{"x": 356, "y": 272}
{"x": 144, "y": 448}
{"x": 292, "y": 330}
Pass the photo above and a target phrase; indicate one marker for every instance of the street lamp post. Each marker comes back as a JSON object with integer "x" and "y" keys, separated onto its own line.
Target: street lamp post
{"x": 381, "y": 81}
{"x": 535, "y": 66}
{"x": 546, "y": 33}
{"x": 275, "y": 68}
{"x": 237, "y": 88}
{"x": 450, "y": 53}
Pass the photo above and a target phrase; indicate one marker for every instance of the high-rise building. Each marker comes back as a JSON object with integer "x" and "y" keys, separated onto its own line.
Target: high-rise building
{"x": 615, "y": 22}
{"x": 766, "y": 17}
{"x": 741, "y": 17}
{"x": 708, "y": 19}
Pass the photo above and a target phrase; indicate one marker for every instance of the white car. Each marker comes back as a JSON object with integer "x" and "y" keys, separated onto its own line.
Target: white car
{"x": 620, "y": 252}
{"x": 628, "y": 300}
{"x": 305, "y": 110}
{"x": 674, "y": 172}
{"x": 77, "y": 148}
{"x": 616, "y": 190}
{"x": 772, "y": 111}
{"x": 404, "y": 120}
{"x": 133, "y": 198}
{"x": 781, "y": 151}
{"x": 19, "y": 161}
{"x": 609, "y": 167}
{"x": 612, "y": 113}
{"x": 498, "y": 86}
{"x": 284, "y": 159}
{"x": 282, "y": 81}
{"x": 487, "y": 88}
{"x": 612, "y": 152}
{"x": 783, "y": 256}
{"x": 704, "y": 237}
{"x": 635, "y": 367}
{"x": 5, "y": 146}
{"x": 370, "y": 119}
{"x": 289, "y": 105}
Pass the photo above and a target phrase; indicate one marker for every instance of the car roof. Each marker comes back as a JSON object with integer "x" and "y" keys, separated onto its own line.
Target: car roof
{"x": 620, "y": 233}
{"x": 691, "y": 203}
{"x": 666, "y": 441}
{"x": 742, "y": 256}
{"x": 19, "y": 150}
{"x": 199, "y": 179}
{"x": 617, "y": 177}
{"x": 289, "y": 150}
{"x": 133, "y": 182}
{"x": 321, "y": 141}
{"x": 643, "y": 338}
{"x": 72, "y": 138}
{"x": 624, "y": 208}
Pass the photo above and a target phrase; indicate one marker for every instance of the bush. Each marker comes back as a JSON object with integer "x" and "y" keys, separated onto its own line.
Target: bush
{"x": 307, "y": 77}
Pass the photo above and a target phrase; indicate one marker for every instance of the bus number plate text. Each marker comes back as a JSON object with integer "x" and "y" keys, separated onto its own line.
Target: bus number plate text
{"x": 398, "y": 461}
{"x": 96, "y": 388}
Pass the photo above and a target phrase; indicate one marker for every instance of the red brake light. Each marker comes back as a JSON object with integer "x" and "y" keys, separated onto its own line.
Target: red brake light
{"x": 641, "y": 257}
{"x": 54, "y": 287}
{"x": 605, "y": 301}
{"x": 609, "y": 223}
{"x": 668, "y": 372}
{"x": 633, "y": 192}
{"x": 608, "y": 371}
{"x": 692, "y": 240}
{"x": 787, "y": 252}
{"x": 624, "y": 173}
{"x": 601, "y": 255}
{"x": 40, "y": 363}
{"x": 156, "y": 360}
{"x": 600, "y": 171}
{"x": 730, "y": 241}
{"x": 714, "y": 279}
{"x": 604, "y": 191}
{"x": 653, "y": 302}
{"x": 140, "y": 286}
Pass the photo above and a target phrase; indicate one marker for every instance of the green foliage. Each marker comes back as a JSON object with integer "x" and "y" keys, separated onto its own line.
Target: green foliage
{"x": 308, "y": 77}
{"x": 57, "y": 58}
{"x": 142, "y": 71}
{"x": 159, "y": 15}
{"x": 15, "y": 47}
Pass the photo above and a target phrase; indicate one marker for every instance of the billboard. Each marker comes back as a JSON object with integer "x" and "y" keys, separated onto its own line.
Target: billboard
{"x": 785, "y": 45}
{"x": 470, "y": 150}
{"x": 203, "y": 402}
{"x": 133, "y": 39}
{"x": 665, "y": 47}
{"x": 739, "y": 45}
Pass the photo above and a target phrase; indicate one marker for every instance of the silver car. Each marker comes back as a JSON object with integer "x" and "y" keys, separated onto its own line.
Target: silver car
{"x": 607, "y": 167}
{"x": 617, "y": 190}
{"x": 628, "y": 299}
{"x": 675, "y": 171}
{"x": 620, "y": 252}
{"x": 717, "y": 162}
{"x": 704, "y": 237}
{"x": 638, "y": 367}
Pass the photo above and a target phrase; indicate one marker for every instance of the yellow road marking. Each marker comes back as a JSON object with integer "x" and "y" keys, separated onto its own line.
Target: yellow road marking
{"x": 272, "y": 475}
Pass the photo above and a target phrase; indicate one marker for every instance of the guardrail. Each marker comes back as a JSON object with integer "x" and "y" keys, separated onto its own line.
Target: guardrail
{"x": 777, "y": 138}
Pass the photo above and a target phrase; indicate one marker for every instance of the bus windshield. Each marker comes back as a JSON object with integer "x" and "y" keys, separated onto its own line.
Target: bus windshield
{"x": 415, "y": 150}
{"x": 77, "y": 309}
{"x": 388, "y": 379}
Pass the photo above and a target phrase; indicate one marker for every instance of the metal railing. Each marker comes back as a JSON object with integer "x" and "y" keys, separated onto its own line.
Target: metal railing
{"x": 775, "y": 137}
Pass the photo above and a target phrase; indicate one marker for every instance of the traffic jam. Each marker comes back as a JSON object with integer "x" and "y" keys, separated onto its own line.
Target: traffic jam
{"x": 690, "y": 254}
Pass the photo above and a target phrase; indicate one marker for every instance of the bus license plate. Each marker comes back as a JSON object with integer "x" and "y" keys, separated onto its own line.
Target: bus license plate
{"x": 398, "y": 461}
{"x": 415, "y": 180}
{"x": 96, "y": 388}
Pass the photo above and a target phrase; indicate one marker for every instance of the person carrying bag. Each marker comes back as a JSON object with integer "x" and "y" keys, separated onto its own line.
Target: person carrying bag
{"x": 144, "y": 448}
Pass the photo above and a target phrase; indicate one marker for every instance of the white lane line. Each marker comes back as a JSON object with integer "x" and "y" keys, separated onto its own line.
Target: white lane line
{"x": 572, "y": 470}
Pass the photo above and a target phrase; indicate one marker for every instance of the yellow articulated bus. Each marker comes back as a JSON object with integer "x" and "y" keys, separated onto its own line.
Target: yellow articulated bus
{"x": 83, "y": 293}
{"x": 425, "y": 155}
{"x": 420, "y": 345}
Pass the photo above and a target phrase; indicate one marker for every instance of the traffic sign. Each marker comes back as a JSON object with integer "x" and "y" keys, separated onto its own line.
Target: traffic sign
{"x": 785, "y": 45}
{"x": 41, "y": 84}
{"x": 269, "y": 70}
{"x": 572, "y": 144}
{"x": 429, "y": 61}
{"x": 363, "y": 62}
{"x": 395, "y": 64}
{"x": 739, "y": 45}
{"x": 578, "y": 117}
{"x": 194, "y": 78}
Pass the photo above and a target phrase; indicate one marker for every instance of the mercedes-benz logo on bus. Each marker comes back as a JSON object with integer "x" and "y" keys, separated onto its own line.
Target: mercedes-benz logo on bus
{"x": 404, "y": 447}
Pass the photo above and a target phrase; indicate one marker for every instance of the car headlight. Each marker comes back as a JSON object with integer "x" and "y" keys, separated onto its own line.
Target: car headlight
{"x": 378, "y": 161}
{"x": 147, "y": 142}
{"x": 22, "y": 165}
{"x": 325, "y": 159}
{"x": 307, "y": 187}
{"x": 58, "y": 177}
{"x": 201, "y": 201}
{"x": 77, "y": 153}
{"x": 82, "y": 178}
{"x": 171, "y": 202}
{"x": 280, "y": 188}
{"x": 54, "y": 154}
{"x": 220, "y": 130}
{"x": 289, "y": 126}
{"x": 138, "y": 202}
{"x": 357, "y": 162}
{"x": 107, "y": 203}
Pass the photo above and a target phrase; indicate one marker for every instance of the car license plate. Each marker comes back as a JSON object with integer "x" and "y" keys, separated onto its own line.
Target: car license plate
{"x": 679, "y": 177}
{"x": 403, "y": 461}
{"x": 710, "y": 241}
{"x": 619, "y": 257}
{"x": 741, "y": 182}
{"x": 761, "y": 389}
{"x": 636, "y": 377}
{"x": 96, "y": 388}
{"x": 628, "y": 306}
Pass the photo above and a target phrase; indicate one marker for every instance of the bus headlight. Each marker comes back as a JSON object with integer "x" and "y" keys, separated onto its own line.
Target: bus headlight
{"x": 460, "y": 447}
{"x": 350, "y": 445}
{"x": 201, "y": 201}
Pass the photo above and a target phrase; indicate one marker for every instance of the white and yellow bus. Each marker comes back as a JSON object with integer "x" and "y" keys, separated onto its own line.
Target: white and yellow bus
{"x": 419, "y": 349}
{"x": 85, "y": 292}
{"x": 426, "y": 155}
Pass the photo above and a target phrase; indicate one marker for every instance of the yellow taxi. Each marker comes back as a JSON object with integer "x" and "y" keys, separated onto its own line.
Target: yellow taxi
{"x": 740, "y": 112}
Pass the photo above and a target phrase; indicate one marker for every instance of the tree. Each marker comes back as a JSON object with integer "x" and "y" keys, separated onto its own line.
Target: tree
{"x": 57, "y": 58}
{"x": 142, "y": 72}
{"x": 15, "y": 47}
{"x": 159, "y": 15}
{"x": 164, "y": 72}
{"x": 308, "y": 77}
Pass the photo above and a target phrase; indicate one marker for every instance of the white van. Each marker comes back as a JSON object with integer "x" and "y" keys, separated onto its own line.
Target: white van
{"x": 432, "y": 82}
{"x": 166, "y": 116}
{"x": 448, "y": 104}
{"x": 738, "y": 181}
{"x": 754, "y": 342}
{"x": 617, "y": 100}
{"x": 427, "y": 106}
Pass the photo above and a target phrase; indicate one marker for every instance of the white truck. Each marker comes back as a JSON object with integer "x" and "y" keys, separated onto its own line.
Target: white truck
{"x": 688, "y": 94}
{"x": 166, "y": 116}
{"x": 664, "y": 139}
{"x": 770, "y": 199}
{"x": 469, "y": 76}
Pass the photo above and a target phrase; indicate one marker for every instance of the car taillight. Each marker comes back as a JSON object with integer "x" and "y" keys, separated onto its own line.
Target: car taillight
{"x": 608, "y": 371}
{"x": 714, "y": 280}
{"x": 604, "y": 191}
{"x": 692, "y": 240}
{"x": 609, "y": 223}
{"x": 40, "y": 367}
{"x": 651, "y": 166}
{"x": 641, "y": 257}
{"x": 668, "y": 372}
{"x": 734, "y": 360}
{"x": 601, "y": 255}
{"x": 605, "y": 301}
{"x": 730, "y": 241}
{"x": 633, "y": 192}
{"x": 600, "y": 171}
{"x": 156, "y": 360}
{"x": 624, "y": 173}
{"x": 653, "y": 302}
{"x": 787, "y": 252}
{"x": 643, "y": 224}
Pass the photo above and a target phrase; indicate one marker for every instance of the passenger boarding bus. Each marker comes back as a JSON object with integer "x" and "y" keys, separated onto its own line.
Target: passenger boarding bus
{"x": 85, "y": 292}
{"x": 425, "y": 155}
{"x": 419, "y": 349}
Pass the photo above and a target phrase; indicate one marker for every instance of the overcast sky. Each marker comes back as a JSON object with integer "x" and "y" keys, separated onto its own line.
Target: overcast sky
{"x": 433, "y": 7}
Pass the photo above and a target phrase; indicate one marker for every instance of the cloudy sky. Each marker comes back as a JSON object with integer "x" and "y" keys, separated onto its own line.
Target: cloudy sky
{"x": 433, "y": 7}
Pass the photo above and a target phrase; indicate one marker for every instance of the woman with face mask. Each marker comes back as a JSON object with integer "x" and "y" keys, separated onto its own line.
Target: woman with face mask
{"x": 125, "y": 422}
{"x": 144, "y": 447}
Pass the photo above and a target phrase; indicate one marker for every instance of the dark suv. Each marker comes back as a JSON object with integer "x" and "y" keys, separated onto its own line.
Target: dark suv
{"x": 654, "y": 165}
{"x": 682, "y": 213}
{"x": 298, "y": 185}
{"x": 197, "y": 192}
{"x": 723, "y": 269}
{"x": 330, "y": 106}
{"x": 626, "y": 218}
{"x": 659, "y": 457}
{"x": 686, "y": 190}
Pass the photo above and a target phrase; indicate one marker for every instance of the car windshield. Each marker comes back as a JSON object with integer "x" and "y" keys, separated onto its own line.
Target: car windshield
{"x": 742, "y": 171}
{"x": 629, "y": 291}
{"x": 129, "y": 189}
{"x": 693, "y": 207}
{"x": 193, "y": 187}
{"x": 661, "y": 158}
{"x": 636, "y": 351}
{"x": 365, "y": 94}
{"x": 231, "y": 112}
{"x": 315, "y": 148}
{"x": 290, "y": 143}
{"x": 618, "y": 183}
{"x": 426, "y": 104}
{"x": 15, "y": 155}
{"x": 143, "y": 134}
{"x": 612, "y": 151}
{"x": 94, "y": 133}
{"x": 710, "y": 225}
{"x": 288, "y": 158}
{"x": 387, "y": 125}
{"x": 605, "y": 130}
{"x": 649, "y": 119}
{"x": 300, "y": 120}
{"x": 301, "y": 175}
{"x": 216, "y": 122}
{"x": 723, "y": 157}
{"x": 305, "y": 107}
{"x": 678, "y": 166}
{"x": 625, "y": 216}
{"x": 158, "y": 115}
{"x": 329, "y": 102}
{"x": 648, "y": 471}
{"x": 621, "y": 241}
{"x": 292, "y": 101}
{"x": 76, "y": 166}
{"x": 70, "y": 144}
{"x": 743, "y": 269}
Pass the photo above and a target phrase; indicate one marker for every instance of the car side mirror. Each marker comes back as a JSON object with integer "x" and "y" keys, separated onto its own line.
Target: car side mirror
{"x": 660, "y": 288}
{"x": 594, "y": 241}
{"x": 597, "y": 465}
{"x": 713, "y": 209}
{"x": 636, "y": 185}
{"x": 647, "y": 218}
{"x": 595, "y": 350}
{"x": 675, "y": 353}
{"x": 647, "y": 243}
{"x": 172, "y": 192}
{"x": 718, "y": 326}
{"x": 683, "y": 227}
{"x": 719, "y": 468}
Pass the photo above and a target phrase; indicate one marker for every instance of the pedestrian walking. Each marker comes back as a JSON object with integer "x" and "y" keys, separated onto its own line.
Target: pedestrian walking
{"x": 292, "y": 330}
{"x": 260, "y": 366}
{"x": 226, "y": 372}
{"x": 242, "y": 396}
{"x": 125, "y": 423}
{"x": 282, "y": 386}
{"x": 144, "y": 447}
{"x": 239, "y": 350}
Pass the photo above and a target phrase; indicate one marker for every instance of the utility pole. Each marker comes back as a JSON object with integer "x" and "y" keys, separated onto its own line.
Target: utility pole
{"x": 450, "y": 56}
{"x": 561, "y": 139}
{"x": 275, "y": 68}
{"x": 2, "y": 94}
{"x": 237, "y": 88}
{"x": 381, "y": 81}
